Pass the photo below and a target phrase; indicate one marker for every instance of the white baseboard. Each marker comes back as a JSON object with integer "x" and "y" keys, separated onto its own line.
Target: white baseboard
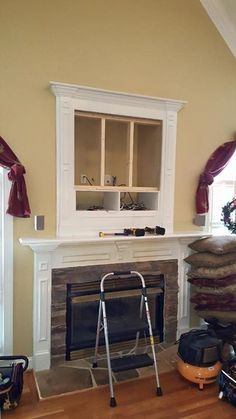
{"x": 41, "y": 361}
{"x": 30, "y": 358}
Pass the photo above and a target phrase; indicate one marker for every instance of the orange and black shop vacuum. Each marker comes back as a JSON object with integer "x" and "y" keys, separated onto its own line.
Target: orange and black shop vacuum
{"x": 199, "y": 355}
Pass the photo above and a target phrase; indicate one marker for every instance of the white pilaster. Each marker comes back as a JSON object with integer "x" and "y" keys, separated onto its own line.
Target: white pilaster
{"x": 42, "y": 307}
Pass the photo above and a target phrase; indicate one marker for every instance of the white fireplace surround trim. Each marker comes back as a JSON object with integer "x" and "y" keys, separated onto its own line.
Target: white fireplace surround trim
{"x": 50, "y": 253}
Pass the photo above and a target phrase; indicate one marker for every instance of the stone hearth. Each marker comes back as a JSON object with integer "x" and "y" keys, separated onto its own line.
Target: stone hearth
{"x": 79, "y": 375}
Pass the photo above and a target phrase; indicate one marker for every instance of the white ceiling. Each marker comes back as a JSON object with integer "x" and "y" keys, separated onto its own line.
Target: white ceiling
{"x": 223, "y": 15}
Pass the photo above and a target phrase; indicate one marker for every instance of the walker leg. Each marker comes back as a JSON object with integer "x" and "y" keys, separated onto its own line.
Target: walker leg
{"x": 138, "y": 333}
{"x": 159, "y": 390}
{"x": 112, "y": 399}
{"x": 97, "y": 335}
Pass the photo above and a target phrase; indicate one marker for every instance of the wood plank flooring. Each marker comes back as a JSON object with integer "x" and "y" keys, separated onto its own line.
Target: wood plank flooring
{"x": 136, "y": 399}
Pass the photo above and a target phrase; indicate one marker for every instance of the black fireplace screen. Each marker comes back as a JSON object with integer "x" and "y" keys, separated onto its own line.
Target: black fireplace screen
{"x": 83, "y": 304}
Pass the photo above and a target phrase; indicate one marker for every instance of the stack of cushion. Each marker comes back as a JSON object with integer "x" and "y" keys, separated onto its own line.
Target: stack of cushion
{"x": 213, "y": 273}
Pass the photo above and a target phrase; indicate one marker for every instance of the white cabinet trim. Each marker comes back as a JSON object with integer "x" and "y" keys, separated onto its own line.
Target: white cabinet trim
{"x": 70, "y": 98}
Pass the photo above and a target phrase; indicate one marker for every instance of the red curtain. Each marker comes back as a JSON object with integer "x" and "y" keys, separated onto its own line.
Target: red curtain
{"x": 18, "y": 204}
{"x": 214, "y": 166}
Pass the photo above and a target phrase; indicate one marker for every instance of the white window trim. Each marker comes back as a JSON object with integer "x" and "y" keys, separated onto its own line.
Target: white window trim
{"x": 217, "y": 228}
{"x": 6, "y": 270}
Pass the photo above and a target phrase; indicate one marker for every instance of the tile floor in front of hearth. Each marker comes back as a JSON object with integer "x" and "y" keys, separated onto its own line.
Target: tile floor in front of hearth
{"x": 68, "y": 376}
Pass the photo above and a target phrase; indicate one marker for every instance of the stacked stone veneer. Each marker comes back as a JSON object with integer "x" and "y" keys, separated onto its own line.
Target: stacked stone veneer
{"x": 86, "y": 274}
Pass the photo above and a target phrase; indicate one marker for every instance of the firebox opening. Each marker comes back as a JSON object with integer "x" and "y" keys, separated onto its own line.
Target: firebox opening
{"x": 121, "y": 301}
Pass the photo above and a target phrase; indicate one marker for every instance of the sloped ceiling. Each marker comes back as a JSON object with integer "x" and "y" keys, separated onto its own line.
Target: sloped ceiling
{"x": 223, "y": 15}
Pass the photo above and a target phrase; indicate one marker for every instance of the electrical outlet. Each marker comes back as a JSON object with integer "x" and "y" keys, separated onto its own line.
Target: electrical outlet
{"x": 83, "y": 180}
{"x": 108, "y": 180}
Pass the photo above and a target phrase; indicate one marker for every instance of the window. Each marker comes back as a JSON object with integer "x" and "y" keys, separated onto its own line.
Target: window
{"x": 222, "y": 191}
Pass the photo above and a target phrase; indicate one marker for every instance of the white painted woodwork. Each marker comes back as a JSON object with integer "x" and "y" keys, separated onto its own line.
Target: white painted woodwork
{"x": 112, "y": 201}
{"x": 150, "y": 200}
{"x": 6, "y": 268}
{"x": 72, "y": 252}
{"x": 71, "y": 99}
{"x": 223, "y": 15}
{"x": 115, "y": 188}
{"x": 102, "y": 169}
{"x": 130, "y": 146}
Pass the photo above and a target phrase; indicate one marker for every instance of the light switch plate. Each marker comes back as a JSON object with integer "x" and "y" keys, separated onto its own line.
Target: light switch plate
{"x": 39, "y": 222}
{"x": 200, "y": 220}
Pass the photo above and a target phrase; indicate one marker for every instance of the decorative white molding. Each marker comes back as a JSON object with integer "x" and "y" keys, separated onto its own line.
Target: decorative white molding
{"x": 86, "y": 93}
{"x": 184, "y": 288}
{"x": 42, "y": 308}
{"x": 70, "y": 98}
{"x": 6, "y": 268}
{"x": 221, "y": 17}
{"x": 87, "y": 252}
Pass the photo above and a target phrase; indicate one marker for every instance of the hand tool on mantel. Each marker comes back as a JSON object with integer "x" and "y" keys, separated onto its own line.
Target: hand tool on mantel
{"x": 102, "y": 234}
{"x": 159, "y": 231}
{"x": 138, "y": 232}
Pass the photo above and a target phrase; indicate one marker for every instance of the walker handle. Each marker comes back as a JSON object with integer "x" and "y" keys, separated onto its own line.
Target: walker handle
{"x": 122, "y": 272}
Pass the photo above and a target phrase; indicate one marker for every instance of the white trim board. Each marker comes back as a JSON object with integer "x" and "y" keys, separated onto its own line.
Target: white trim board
{"x": 220, "y": 16}
{"x": 6, "y": 268}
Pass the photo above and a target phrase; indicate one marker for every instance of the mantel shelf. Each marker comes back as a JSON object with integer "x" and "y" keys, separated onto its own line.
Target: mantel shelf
{"x": 115, "y": 188}
{"x": 54, "y": 242}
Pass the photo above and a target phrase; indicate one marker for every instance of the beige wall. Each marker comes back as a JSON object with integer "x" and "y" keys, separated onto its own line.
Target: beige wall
{"x": 166, "y": 48}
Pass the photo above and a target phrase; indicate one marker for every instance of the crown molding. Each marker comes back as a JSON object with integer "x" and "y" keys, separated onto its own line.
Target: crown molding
{"x": 221, "y": 19}
{"x": 109, "y": 96}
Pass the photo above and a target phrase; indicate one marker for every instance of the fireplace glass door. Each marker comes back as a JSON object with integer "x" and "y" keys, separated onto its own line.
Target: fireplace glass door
{"x": 121, "y": 303}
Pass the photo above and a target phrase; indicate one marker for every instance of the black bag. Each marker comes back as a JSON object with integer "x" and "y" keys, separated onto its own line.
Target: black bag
{"x": 11, "y": 380}
{"x": 199, "y": 347}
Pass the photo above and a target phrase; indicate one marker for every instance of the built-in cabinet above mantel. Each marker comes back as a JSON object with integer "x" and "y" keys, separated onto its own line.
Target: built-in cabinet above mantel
{"x": 115, "y": 160}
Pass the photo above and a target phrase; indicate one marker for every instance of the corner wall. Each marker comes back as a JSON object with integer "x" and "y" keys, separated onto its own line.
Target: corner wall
{"x": 166, "y": 48}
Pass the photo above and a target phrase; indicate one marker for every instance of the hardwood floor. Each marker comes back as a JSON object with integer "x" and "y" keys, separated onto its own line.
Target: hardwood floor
{"x": 136, "y": 399}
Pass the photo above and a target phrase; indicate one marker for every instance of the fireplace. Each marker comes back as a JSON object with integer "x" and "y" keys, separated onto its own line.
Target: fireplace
{"x": 75, "y": 296}
{"x": 122, "y": 302}
{"x": 60, "y": 261}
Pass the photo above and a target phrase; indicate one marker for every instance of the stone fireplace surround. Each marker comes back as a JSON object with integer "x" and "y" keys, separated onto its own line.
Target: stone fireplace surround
{"x": 60, "y": 253}
{"x": 86, "y": 274}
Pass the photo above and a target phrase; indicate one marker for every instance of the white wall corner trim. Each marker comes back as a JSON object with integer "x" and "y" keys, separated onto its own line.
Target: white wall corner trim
{"x": 223, "y": 20}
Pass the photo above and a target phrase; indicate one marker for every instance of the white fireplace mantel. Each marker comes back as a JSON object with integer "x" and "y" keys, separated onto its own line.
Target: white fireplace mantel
{"x": 51, "y": 253}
